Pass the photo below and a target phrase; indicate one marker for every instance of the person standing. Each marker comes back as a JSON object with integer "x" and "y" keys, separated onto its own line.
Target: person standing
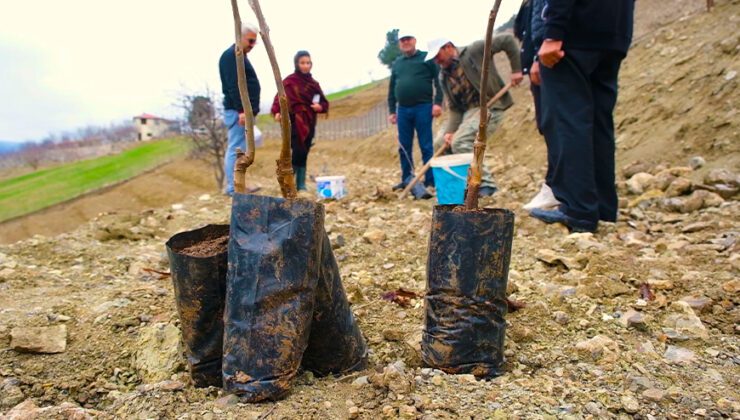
{"x": 527, "y": 21}
{"x": 305, "y": 101}
{"x": 414, "y": 99}
{"x": 460, "y": 78}
{"x": 584, "y": 44}
{"x": 233, "y": 109}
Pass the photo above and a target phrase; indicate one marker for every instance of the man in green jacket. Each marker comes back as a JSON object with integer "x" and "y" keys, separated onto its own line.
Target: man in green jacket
{"x": 414, "y": 98}
{"x": 460, "y": 81}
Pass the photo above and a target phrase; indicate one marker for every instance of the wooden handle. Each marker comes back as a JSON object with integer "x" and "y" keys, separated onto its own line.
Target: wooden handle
{"x": 423, "y": 170}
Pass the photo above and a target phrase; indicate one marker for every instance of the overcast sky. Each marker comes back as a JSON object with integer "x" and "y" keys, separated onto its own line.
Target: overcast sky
{"x": 66, "y": 64}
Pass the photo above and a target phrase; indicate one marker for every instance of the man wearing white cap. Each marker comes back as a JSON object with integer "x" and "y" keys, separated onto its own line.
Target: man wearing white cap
{"x": 460, "y": 81}
{"x": 414, "y": 98}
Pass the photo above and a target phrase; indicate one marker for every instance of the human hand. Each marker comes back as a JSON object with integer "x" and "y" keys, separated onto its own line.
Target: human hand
{"x": 534, "y": 73}
{"x": 448, "y": 138}
{"x": 436, "y": 110}
{"x": 277, "y": 117}
{"x": 242, "y": 119}
{"x": 551, "y": 52}
{"x": 316, "y": 107}
{"x": 392, "y": 119}
{"x": 516, "y": 78}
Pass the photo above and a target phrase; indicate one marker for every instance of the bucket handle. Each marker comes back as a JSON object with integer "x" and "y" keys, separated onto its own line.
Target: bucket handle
{"x": 451, "y": 172}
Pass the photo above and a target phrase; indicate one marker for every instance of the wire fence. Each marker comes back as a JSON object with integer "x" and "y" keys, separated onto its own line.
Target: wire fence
{"x": 357, "y": 127}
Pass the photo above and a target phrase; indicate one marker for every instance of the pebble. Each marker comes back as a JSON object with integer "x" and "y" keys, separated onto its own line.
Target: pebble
{"x": 679, "y": 355}
{"x": 360, "y": 382}
{"x": 561, "y": 317}
{"x": 632, "y": 318}
{"x": 630, "y": 404}
{"x": 374, "y": 236}
{"x": 697, "y": 162}
{"x": 653, "y": 394}
{"x": 47, "y": 340}
{"x": 437, "y": 380}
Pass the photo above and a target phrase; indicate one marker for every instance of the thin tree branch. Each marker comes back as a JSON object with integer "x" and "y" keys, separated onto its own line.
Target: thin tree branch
{"x": 284, "y": 164}
{"x": 479, "y": 147}
{"x": 243, "y": 160}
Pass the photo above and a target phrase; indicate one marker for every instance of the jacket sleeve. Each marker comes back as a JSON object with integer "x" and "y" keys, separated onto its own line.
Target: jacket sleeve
{"x": 392, "y": 93}
{"x": 227, "y": 67}
{"x": 275, "y": 105}
{"x": 453, "y": 120}
{"x": 558, "y": 15}
{"x": 507, "y": 43}
{"x": 438, "y": 95}
{"x": 253, "y": 85}
{"x": 323, "y": 101}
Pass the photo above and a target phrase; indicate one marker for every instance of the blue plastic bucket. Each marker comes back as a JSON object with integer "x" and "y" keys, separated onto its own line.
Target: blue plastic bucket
{"x": 450, "y": 177}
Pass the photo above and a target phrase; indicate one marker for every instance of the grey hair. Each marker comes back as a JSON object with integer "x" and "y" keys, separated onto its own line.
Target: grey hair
{"x": 248, "y": 27}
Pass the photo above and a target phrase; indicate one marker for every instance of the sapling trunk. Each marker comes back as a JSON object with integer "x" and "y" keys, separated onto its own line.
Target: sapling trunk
{"x": 243, "y": 160}
{"x": 479, "y": 147}
{"x": 284, "y": 164}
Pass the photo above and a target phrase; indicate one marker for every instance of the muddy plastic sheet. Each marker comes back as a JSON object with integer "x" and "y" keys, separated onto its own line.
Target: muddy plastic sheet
{"x": 198, "y": 267}
{"x": 336, "y": 344}
{"x": 467, "y": 272}
{"x": 273, "y": 271}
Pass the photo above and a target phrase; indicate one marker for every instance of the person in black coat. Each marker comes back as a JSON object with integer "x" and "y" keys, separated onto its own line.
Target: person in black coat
{"x": 584, "y": 43}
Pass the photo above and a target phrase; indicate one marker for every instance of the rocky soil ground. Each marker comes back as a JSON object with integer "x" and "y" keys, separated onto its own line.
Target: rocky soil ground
{"x": 640, "y": 320}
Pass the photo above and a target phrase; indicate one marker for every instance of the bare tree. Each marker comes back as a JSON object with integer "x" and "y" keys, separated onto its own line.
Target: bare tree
{"x": 32, "y": 155}
{"x": 206, "y": 130}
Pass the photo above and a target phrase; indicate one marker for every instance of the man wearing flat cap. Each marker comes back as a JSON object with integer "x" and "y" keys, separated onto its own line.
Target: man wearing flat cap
{"x": 460, "y": 77}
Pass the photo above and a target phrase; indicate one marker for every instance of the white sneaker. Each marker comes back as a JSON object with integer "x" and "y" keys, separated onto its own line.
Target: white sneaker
{"x": 543, "y": 200}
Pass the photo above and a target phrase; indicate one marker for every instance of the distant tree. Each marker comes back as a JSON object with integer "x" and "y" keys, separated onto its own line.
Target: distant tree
{"x": 508, "y": 25}
{"x": 390, "y": 51}
{"x": 206, "y": 130}
{"x": 32, "y": 154}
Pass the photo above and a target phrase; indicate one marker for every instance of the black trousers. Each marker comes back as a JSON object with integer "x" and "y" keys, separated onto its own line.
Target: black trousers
{"x": 300, "y": 149}
{"x": 578, "y": 98}
{"x": 537, "y": 99}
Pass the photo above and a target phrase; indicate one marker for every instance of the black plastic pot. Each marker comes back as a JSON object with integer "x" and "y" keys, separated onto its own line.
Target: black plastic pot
{"x": 200, "y": 286}
{"x": 467, "y": 273}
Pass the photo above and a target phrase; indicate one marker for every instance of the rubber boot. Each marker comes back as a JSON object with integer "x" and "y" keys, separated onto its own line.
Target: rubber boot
{"x": 274, "y": 258}
{"x": 300, "y": 177}
{"x": 336, "y": 345}
{"x": 198, "y": 267}
{"x": 467, "y": 272}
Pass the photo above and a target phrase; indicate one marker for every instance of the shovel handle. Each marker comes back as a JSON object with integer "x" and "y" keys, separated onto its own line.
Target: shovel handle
{"x": 423, "y": 170}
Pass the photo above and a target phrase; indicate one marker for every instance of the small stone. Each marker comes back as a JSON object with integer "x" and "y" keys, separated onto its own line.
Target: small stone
{"x": 437, "y": 380}
{"x": 599, "y": 347}
{"x": 679, "y": 355}
{"x": 640, "y": 182}
{"x": 632, "y": 318}
{"x": 593, "y": 408}
{"x": 732, "y": 286}
{"x": 630, "y": 404}
{"x": 660, "y": 284}
{"x": 728, "y": 405}
{"x": 393, "y": 335}
{"x": 407, "y": 411}
{"x": 205, "y": 197}
{"x": 722, "y": 176}
{"x": 683, "y": 324}
{"x": 388, "y": 410}
{"x": 697, "y": 162}
{"x": 360, "y": 382}
{"x": 353, "y": 412}
{"x": 226, "y": 401}
{"x": 467, "y": 378}
{"x": 653, "y": 394}
{"x": 178, "y": 206}
{"x": 47, "y": 340}
{"x": 374, "y": 236}
{"x": 561, "y": 317}
{"x": 327, "y": 404}
{"x": 697, "y": 303}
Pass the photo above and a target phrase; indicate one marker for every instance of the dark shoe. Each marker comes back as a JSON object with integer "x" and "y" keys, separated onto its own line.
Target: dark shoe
{"x": 487, "y": 191}
{"x": 399, "y": 186}
{"x": 420, "y": 193}
{"x": 557, "y": 216}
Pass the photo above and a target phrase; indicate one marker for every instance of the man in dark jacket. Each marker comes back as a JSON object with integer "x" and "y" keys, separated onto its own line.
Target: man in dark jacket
{"x": 414, "y": 98}
{"x": 233, "y": 109}
{"x": 460, "y": 78}
{"x": 584, "y": 43}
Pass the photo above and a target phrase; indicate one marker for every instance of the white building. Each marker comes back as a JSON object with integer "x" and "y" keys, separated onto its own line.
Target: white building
{"x": 150, "y": 126}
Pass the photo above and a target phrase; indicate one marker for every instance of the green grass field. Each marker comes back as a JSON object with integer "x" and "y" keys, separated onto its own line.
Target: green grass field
{"x": 43, "y": 188}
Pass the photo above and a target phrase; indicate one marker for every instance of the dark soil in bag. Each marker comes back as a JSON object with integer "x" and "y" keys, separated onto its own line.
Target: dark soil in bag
{"x": 198, "y": 267}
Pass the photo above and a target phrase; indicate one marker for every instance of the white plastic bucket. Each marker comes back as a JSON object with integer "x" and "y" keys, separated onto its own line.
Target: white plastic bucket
{"x": 450, "y": 177}
{"x": 330, "y": 187}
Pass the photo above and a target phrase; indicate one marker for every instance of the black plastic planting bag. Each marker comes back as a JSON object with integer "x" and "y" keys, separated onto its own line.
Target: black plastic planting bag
{"x": 198, "y": 267}
{"x": 467, "y": 272}
{"x": 336, "y": 344}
